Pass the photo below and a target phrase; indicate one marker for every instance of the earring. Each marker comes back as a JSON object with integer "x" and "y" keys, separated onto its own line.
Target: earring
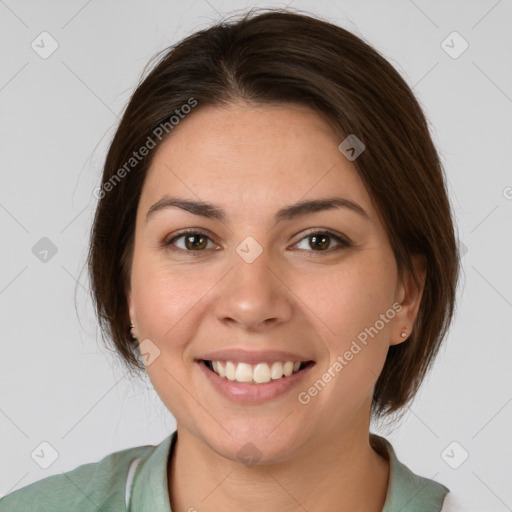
{"x": 404, "y": 335}
{"x": 131, "y": 333}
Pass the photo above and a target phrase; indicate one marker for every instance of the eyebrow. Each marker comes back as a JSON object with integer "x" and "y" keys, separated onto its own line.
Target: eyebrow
{"x": 298, "y": 209}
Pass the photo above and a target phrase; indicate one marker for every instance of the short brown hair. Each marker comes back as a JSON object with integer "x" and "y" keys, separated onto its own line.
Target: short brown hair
{"x": 280, "y": 56}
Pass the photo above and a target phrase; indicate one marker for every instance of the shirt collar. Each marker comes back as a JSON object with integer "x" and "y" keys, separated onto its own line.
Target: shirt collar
{"x": 150, "y": 488}
{"x": 406, "y": 491}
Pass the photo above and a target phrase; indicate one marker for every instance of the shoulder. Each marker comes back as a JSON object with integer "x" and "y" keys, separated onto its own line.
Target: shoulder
{"x": 452, "y": 503}
{"x": 90, "y": 487}
{"x": 408, "y": 491}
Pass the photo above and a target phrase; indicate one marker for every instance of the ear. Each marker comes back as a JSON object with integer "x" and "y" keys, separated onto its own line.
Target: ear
{"x": 131, "y": 306}
{"x": 409, "y": 295}
{"x": 132, "y": 313}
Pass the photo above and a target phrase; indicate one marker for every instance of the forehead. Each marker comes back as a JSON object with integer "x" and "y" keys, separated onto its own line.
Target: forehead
{"x": 259, "y": 154}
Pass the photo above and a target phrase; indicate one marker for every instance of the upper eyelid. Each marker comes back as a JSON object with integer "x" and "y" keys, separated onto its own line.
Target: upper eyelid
{"x": 193, "y": 231}
{"x": 344, "y": 240}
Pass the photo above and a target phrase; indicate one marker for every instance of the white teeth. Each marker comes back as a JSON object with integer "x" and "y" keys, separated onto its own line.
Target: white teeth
{"x": 288, "y": 368}
{"x": 277, "y": 370}
{"x": 260, "y": 373}
{"x": 230, "y": 370}
{"x": 243, "y": 372}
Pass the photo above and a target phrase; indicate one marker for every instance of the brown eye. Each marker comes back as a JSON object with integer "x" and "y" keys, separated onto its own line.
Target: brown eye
{"x": 190, "y": 241}
{"x": 320, "y": 241}
{"x": 195, "y": 242}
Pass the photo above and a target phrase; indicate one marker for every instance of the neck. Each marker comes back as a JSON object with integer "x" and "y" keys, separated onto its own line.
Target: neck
{"x": 336, "y": 472}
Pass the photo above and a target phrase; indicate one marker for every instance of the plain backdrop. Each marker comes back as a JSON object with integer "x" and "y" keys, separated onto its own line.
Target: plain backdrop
{"x": 59, "y": 385}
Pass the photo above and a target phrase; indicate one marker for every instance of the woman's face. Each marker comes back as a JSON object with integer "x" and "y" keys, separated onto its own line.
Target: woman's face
{"x": 261, "y": 282}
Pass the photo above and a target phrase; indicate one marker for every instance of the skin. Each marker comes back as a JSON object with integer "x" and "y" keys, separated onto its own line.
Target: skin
{"x": 252, "y": 160}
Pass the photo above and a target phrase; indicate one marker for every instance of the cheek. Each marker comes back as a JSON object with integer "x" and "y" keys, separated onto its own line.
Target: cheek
{"x": 167, "y": 304}
{"x": 351, "y": 299}
{"x": 168, "y": 299}
{"x": 348, "y": 305}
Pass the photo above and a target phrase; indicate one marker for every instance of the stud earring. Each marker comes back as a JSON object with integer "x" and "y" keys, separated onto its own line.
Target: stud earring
{"x": 131, "y": 333}
{"x": 404, "y": 335}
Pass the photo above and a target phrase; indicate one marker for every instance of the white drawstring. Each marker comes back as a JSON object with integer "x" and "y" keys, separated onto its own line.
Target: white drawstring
{"x": 129, "y": 480}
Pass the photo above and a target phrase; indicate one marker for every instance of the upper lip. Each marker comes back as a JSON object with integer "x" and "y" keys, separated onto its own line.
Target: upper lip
{"x": 240, "y": 355}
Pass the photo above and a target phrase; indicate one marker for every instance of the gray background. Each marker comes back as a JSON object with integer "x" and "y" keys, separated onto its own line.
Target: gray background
{"x": 59, "y": 385}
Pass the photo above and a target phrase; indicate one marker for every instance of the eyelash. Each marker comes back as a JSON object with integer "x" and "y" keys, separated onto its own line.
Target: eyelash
{"x": 344, "y": 244}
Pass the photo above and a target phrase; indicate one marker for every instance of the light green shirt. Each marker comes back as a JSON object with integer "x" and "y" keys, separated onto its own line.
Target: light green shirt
{"x": 135, "y": 480}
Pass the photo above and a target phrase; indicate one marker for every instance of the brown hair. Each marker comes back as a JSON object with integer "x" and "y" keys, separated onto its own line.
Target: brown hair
{"x": 286, "y": 57}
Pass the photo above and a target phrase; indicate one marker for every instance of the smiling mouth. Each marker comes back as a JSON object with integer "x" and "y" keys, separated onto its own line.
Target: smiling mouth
{"x": 260, "y": 373}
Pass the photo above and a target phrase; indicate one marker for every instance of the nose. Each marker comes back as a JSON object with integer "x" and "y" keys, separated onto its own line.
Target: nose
{"x": 253, "y": 296}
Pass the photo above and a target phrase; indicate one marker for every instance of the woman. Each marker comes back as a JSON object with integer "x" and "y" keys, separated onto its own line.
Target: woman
{"x": 274, "y": 245}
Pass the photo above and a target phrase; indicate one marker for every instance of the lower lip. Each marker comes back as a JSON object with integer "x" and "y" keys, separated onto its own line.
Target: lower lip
{"x": 253, "y": 393}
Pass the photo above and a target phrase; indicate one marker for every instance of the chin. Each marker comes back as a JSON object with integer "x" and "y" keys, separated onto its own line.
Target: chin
{"x": 254, "y": 445}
